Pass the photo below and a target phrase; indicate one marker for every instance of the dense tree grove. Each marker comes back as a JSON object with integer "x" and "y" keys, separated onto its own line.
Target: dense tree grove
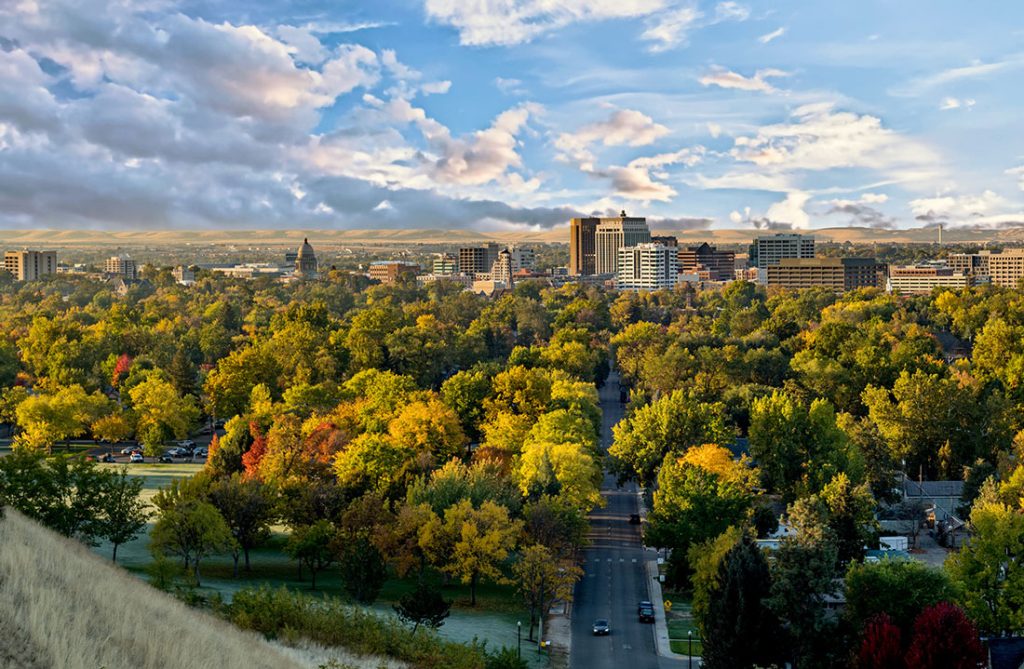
{"x": 450, "y": 436}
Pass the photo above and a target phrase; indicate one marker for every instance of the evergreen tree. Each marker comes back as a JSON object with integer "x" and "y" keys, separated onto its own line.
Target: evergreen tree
{"x": 739, "y": 630}
{"x": 423, "y": 606}
{"x": 363, "y": 569}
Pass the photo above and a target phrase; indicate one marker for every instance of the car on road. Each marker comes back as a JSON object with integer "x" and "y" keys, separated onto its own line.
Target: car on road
{"x": 601, "y": 627}
{"x": 136, "y": 458}
{"x": 128, "y": 450}
{"x": 645, "y": 612}
{"x": 106, "y": 457}
{"x": 166, "y": 458}
{"x": 634, "y": 519}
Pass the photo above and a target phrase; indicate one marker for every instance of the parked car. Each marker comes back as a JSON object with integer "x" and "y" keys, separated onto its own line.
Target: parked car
{"x": 187, "y": 445}
{"x": 166, "y": 458}
{"x": 644, "y": 605}
{"x": 601, "y": 627}
{"x": 646, "y": 614}
{"x": 634, "y": 519}
{"x": 106, "y": 457}
{"x": 199, "y": 453}
{"x": 128, "y": 450}
{"x": 136, "y": 458}
{"x": 177, "y": 452}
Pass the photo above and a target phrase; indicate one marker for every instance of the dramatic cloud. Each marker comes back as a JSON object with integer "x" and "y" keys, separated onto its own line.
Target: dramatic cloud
{"x": 636, "y": 181}
{"x": 725, "y": 79}
{"x": 861, "y": 212}
{"x": 791, "y": 210}
{"x": 960, "y": 207}
{"x": 768, "y": 37}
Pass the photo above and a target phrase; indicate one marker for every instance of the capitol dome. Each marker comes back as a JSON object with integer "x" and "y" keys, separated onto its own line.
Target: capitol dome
{"x": 305, "y": 261}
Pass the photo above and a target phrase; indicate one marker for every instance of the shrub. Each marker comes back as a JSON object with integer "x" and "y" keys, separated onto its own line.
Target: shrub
{"x": 291, "y": 616}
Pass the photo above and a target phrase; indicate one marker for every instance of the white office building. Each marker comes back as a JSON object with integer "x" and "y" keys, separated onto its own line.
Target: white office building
{"x": 647, "y": 267}
{"x": 773, "y": 248}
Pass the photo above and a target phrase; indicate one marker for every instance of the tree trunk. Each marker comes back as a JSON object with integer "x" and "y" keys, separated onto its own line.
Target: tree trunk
{"x": 313, "y": 572}
{"x": 235, "y": 570}
{"x": 247, "y": 567}
{"x": 533, "y": 621}
{"x": 472, "y": 589}
{"x": 540, "y": 627}
{"x": 196, "y": 573}
{"x": 114, "y": 558}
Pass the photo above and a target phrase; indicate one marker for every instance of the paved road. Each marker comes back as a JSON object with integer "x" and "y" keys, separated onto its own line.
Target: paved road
{"x": 613, "y": 580}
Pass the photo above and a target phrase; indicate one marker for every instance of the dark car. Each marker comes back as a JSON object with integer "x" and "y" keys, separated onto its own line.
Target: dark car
{"x": 166, "y": 458}
{"x": 634, "y": 519}
{"x": 106, "y": 457}
{"x": 646, "y": 614}
{"x": 601, "y": 627}
{"x": 644, "y": 605}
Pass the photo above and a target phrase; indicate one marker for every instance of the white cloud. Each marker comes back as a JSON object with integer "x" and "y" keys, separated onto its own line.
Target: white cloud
{"x": 671, "y": 29}
{"x": 1019, "y": 173}
{"x": 821, "y": 139}
{"x": 731, "y": 11}
{"x": 723, "y": 78}
{"x": 714, "y": 129}
{"x": 746, "y": 181}
{"x": 775, "y": 34}
{"x": 866, "y": 198}
{"x": 509, "y": 22}
{"x": 637, "y": 180}
{"x": 625, "y": 127}
{"x": 509, "y": 86}
{"x": 960, "y": 207}
{"x": 436, "y": 87}
{"x": 956, "y": 103}
{"x": 975, "y": 70}
{"x": 790, "y": 210}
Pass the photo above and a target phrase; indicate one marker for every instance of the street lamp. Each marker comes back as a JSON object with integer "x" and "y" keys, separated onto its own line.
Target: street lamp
{"x": 689, "y": 652}
{"x": 519, "y": 639}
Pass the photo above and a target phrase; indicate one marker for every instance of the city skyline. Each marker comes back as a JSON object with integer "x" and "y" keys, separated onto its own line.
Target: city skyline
{"x": 511, "y": 117}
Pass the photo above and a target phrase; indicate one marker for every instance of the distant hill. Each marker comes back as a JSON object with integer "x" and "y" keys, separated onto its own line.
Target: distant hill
{"x": 63, "y": 606}
{"x": 12, "y": 239}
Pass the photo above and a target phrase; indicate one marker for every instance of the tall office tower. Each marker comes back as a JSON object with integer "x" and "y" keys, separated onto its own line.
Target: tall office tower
{"x": 647, "y": 267}
{"x": 613, "y": 234}
{"x": 720, "y": 265}
{"x": 522, "y": 257}
{"x": 502, "y": 269}
{"x": 582, "y": 246}
{"x": 121, "y": 265}
{"x": 773, "y": 248}
{"x": 30, "y": 265}
{"x": 475, "y": 260}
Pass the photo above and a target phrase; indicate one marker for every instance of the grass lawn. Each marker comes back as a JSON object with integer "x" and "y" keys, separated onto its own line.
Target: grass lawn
{"x": 493, "y": 619}
{"x": 680, "y": 622}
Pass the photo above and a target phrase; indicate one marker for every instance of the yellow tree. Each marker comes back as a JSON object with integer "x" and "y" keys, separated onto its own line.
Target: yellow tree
{"x": 565, "y": 469}
{"x": 542, "y": 580}
{"x": 471, "y": 544}
{"x": 429, "y": 427}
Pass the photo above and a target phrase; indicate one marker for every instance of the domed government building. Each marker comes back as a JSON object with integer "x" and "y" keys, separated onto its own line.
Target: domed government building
{"x": 305, "y": 262}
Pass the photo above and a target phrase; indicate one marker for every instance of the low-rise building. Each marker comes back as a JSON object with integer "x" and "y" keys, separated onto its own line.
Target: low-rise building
{"x": 392, "y": 271}
{"x": 183, "y": 275}
{"x": 718, "y": 265}
{"x": 445, "y": 264}
{"x": 121, "y": 265}
{"x": 838, "y": 274}
{"x": 647, "y": 267}
{"x": 923, "y": 279}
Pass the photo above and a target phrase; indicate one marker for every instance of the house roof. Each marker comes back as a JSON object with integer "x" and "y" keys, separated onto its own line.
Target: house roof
{"x": 912, "y": 488}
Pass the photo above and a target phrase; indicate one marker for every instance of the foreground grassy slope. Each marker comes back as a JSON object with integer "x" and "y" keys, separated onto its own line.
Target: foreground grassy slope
{"x": 62, "y": 606}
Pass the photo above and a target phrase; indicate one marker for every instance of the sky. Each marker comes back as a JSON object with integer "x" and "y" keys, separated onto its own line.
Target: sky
{"x": 510, "y": 114}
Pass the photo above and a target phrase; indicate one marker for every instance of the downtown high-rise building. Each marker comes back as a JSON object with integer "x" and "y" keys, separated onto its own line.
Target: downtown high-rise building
{"x": 613, "y": 234}
{"x": 582, "y": 246}
{"x": 770, "y": 249}
{"x": 123, "y": 266}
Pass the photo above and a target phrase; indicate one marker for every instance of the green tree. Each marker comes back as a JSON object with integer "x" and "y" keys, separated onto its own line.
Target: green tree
{"x": 247, "y": 507}
{"x": 465, "y": 393}
{"x": 739, "y": 630}
{"x": 313, "y": 546}
{"x": 423, "y": 606}
{"x": 671, "y": 424}
{"x": 162, "y": 411}
{"x": 191, "y": 530}
{"x": 363, "y": 569}
{"x": 124, "y": 515}
{"x": 989, "y": 569}
{"x": 900, "y": 589}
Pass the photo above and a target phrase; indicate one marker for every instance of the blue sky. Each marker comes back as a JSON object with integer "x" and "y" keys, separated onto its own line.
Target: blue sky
{"x": 509, "y": 114}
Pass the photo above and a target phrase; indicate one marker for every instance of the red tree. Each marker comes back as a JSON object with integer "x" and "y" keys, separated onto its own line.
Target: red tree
{"x": 121, "y": 369}
{"x": 252, "y": 458}
{"x": 212, "y": 449}
{"x": 882, "y": 645}
{"x": 944, "y": 639}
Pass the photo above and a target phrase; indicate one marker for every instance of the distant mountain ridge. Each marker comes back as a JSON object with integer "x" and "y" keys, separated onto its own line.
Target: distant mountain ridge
{"x": 11, "y": 239}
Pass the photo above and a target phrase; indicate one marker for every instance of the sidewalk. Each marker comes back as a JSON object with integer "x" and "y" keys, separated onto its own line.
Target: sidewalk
{"x": 558, "y": 632}
{"x": 661, "y": 640}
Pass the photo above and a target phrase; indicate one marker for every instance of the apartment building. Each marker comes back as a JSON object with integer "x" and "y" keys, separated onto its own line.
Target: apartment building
{"x": 770, "y": 249}
{"x": 647, "y": 267}
{"x": 838, "y": 274}
{"x": 121, "y": 265}
{"x": 30, "y": 265}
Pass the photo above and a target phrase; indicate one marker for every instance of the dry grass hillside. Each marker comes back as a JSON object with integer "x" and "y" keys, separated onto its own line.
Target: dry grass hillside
{"x": 63, "y": 607}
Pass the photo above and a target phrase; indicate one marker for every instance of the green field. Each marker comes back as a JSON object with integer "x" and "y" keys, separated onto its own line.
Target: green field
{"x": 680, "y": 622}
